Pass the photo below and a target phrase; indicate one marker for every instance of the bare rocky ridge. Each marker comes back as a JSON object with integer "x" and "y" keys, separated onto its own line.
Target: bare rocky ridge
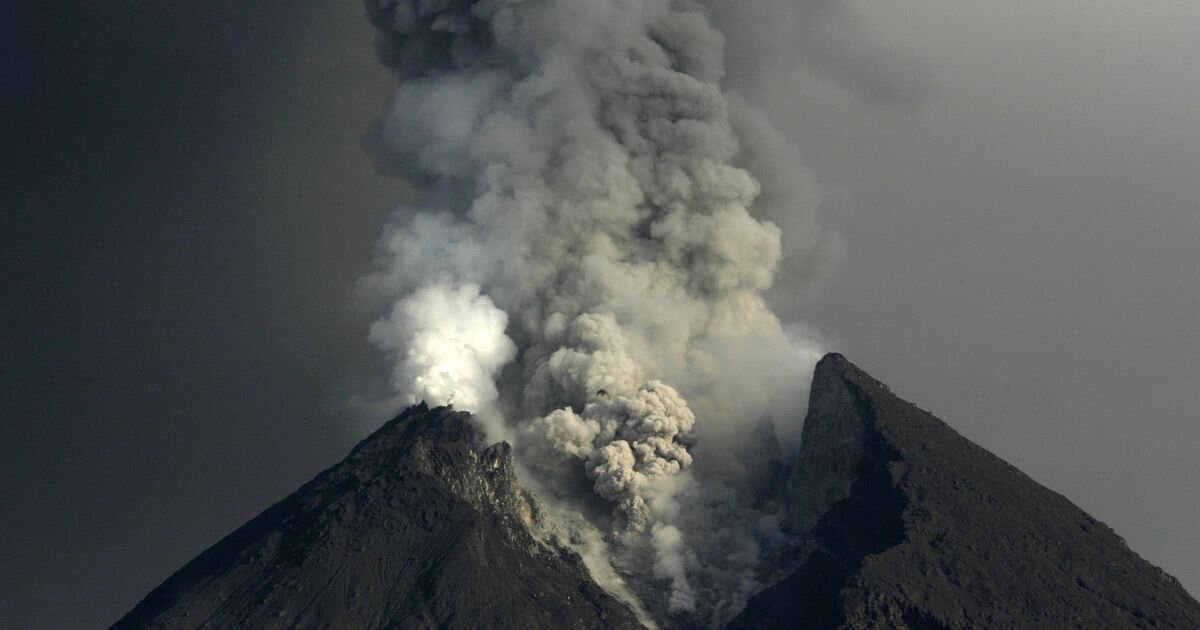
{"x": 418, "y": 527}
{"x": 920, "y": 528}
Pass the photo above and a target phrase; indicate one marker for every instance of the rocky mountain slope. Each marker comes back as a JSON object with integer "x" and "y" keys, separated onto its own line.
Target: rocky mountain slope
{"x": 418, "y": 527}
{"x": 913, "y": 526}
{"x": 899, "y": 522}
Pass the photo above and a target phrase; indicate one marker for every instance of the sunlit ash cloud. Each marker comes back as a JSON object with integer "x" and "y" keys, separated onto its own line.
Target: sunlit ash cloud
{"x": 586, "y": 272}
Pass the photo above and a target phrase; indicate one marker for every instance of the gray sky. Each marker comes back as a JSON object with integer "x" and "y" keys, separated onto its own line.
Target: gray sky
{"x": 186, "y": 204}
{"x": 1024, "y": 246}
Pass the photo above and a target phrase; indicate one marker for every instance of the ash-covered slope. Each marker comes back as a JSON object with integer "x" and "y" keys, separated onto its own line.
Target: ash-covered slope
{"x": 416, "y": 528}
{"x": 917, "y": 527}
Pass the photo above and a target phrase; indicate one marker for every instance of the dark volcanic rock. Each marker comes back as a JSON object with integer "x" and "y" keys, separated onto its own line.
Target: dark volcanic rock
{"x": 913, "y": 526}
{"x": 416, "y": 528}
{"x": 900, "y": 521}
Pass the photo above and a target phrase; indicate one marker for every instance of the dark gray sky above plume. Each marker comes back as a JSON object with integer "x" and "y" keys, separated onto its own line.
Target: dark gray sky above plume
{"x": 185, "y": 205}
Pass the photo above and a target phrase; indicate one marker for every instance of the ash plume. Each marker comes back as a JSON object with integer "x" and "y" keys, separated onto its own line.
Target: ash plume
{"x": 586, "y": 271}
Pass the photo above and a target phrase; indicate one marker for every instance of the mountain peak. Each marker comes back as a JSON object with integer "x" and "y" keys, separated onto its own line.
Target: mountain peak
{"x": 899, "y": 522}
{"x": 419, "y": 526}
{"x": 910, "y": 525}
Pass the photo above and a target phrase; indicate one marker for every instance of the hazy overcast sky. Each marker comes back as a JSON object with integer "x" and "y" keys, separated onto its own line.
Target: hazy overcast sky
{"x": 185, "y": 205}
{"x": 1024, "y": 245}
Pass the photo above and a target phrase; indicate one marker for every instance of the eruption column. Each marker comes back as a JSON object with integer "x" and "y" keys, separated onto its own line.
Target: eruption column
{"x": 586, "y": 265}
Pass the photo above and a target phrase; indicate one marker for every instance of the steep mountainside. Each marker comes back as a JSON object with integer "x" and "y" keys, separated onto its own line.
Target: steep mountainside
{"x": 417, "y": 528}
{"x": 899, "y": 521}
{"x": 913, "y": 526}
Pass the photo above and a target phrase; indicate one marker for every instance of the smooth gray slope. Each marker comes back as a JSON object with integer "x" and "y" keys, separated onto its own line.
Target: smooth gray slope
{"x": 928, "y": 530}
{"x": 417, "y": 528}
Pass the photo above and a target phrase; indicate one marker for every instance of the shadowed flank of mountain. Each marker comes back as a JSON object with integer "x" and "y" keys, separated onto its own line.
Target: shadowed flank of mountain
{"x": 910, "y": 525}
{"x": 419, "y": 527}
{"x": 899, "y": 522}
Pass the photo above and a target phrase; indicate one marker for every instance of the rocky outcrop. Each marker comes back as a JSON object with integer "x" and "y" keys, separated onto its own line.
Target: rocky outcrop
{"x": 907, "y": 524}
{"x": 419, "y": 527}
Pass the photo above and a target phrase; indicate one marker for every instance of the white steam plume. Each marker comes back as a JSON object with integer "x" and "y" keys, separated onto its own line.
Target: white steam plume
{"x": 448, "y": 344}
{"x": 587, "y": 265}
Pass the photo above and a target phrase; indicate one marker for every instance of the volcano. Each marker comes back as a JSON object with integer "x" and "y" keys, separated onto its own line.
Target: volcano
{"x": 419, "y": 527}
{"x": 907, "y": 524}
{"x": 898, "y": 521}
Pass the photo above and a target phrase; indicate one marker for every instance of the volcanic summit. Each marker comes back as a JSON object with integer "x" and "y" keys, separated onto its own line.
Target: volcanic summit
{"x": 897, "y": 520}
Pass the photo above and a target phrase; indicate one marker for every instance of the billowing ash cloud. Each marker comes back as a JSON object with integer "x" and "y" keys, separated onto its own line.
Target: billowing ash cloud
{"x": 827, "y": 37}
{"x": 587, "y": 270}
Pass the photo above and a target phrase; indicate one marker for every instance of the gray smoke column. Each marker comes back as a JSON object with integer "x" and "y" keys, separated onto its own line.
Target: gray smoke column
{"x": 586, "y": 273}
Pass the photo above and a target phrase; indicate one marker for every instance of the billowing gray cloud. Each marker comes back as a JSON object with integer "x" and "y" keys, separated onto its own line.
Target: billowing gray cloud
{"x": 591, "y": 185}
{"x": 769, "y": 39}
